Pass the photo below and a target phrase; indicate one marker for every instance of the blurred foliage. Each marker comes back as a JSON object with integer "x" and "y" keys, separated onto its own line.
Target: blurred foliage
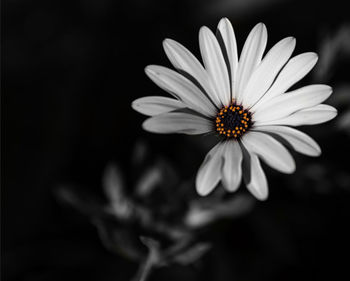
{"x": 159, "y": 211}
{"x": 70, "y": 72}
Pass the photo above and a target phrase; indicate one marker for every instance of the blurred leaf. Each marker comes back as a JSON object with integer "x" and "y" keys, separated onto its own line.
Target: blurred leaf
{"x": 113, "y": 186}
{"x": 192, "y": 254}
{"x": 112, "y": 182}
{"x": 319, "y": 175}
{"x": 148, "y": 181}
{"x": 154, "y": 249}
{"x": 332, "y": 50}
{"x": 341, "y": 96}
{"x": 139, "y": 153}
{"x": 119, "y": 240}
{"x": 153, "y": 259}
{"x": 80, "y": 201}
{"x": 198, "y": 217}
{"x": 238, "y": 8}
{"x": 150, "y": 243}
{"x": 204, "y": 212}
{"x": 343, "y": 122}
{"x": 343, "y": 180}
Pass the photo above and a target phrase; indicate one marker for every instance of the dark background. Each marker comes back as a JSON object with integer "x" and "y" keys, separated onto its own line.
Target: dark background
{"x": 70, "y": 70}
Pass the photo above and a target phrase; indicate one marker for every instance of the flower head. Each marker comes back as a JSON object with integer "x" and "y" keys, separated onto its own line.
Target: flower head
{"x": 243, "y": 100}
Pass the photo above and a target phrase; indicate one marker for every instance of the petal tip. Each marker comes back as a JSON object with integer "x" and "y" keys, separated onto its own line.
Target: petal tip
{"x": 137, "y": 105}
{"x": 314, "y": 57}
{"x": 329, "y": 90}
{"x": 134, "y": 104}
{"x": 261, "y": 26}
{"x": 200, "y": 190}
{"x": 145, "y": 125}
{"x": 148, "y": 69}
{"x": 262, "y": 197}
{"x": 261, "y": 194}
{"x": 291, "y": 169}
{"x": 204, "y": 30}
{"x": 261, "y": 29}
{"x": 224, "y": 21}
{"x": 167, "y": 43}
{"x": 335, "y": 112}
{"x": 152, "y": 70}
{"x": 290, "y": 42}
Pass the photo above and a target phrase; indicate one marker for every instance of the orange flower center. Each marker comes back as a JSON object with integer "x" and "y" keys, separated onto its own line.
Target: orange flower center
{"x": 233, "y": 121}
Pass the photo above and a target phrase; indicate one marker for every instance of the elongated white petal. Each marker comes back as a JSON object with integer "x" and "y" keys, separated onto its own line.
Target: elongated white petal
{"x": 254, "y": 176}
{"x": 209, "y": 174}
{"x": 266, "y": 72}
{"x": 232, "y": 168}
{"x": 296, "y": 139}
{"x": 155, "y": 105}
{"x": 270, "y": 150}
{"x": 184, "y": 60}
{"x": 214, "y": 63}
{"x": 309, "y": 116}
{"x": 229, "y": 38}
{"x": 250, "y": 58}
{"x": 294, "y": 71}
{"x": 181, "y": 88}
{"x": 177, "y": 122}
{"x": 285, "y": 104}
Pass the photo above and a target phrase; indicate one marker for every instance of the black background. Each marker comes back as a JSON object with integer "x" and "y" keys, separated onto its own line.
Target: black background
{"x": 70, "y": 71}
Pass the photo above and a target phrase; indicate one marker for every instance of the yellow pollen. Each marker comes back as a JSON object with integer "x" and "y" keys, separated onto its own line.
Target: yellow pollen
{"x": 232, "y": 121}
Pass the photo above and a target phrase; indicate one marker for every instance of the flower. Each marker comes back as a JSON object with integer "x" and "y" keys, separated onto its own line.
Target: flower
{"x": 244, "y": 101}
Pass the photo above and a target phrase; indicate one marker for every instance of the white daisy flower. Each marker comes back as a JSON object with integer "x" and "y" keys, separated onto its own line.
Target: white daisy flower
{"x": 244, "y": 101}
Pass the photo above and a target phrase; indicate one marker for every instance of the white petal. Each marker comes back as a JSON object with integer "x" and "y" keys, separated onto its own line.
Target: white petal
{"x": 285, "y": 104}
{"x": 214, "y": 63}
{"x": 184, "y": 60}
{"x": 229, "y": 38}
{"x": 250, "y": 58}
{"x": 155, "y": 105}
{"x": 309, "y": 116}
{"x": 209, "y": 174}
{"x": 296, "y": 139}
{"x": 181, "y": 88}
{"x": 177, "y": 122}
{"x": 266, "y": 72}
{"x": 294, "y": 71}
{"x": 232, "y": 168}
{"x": 254, "y": 176}
{"x": 270, "y": 150}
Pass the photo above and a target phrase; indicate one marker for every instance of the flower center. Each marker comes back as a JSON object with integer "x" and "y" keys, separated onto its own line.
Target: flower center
{"x": 233, "y": 121}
